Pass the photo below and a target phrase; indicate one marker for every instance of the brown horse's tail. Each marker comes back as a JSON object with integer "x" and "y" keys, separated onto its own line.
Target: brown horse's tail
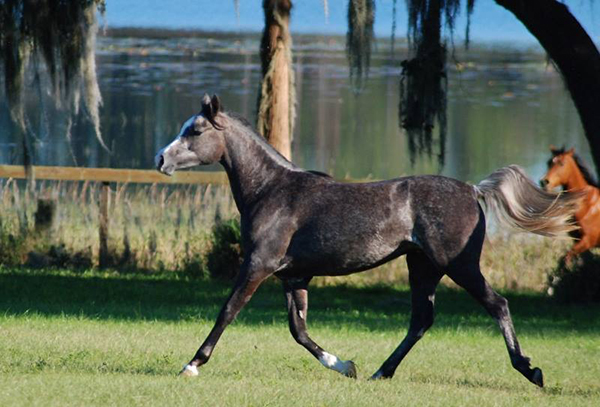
{"x": 519, "y": 203}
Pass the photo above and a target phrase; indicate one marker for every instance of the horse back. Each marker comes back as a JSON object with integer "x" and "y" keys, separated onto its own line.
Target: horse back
{"x": 339, "y": 228}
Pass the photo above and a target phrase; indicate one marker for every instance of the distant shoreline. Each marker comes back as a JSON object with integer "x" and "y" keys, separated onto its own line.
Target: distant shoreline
{"x": 400, "y": 43}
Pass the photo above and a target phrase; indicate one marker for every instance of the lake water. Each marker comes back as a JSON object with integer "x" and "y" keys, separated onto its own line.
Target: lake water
{"x": 505, "y": 106}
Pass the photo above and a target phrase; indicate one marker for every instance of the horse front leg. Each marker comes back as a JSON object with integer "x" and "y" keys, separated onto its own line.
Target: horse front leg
{"x": 296, "y": 295}
{"x": 247, "y": 282}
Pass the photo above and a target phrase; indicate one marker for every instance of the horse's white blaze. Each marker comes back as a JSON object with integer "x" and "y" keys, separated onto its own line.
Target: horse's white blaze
{"x": 332, "y": 362}
{"x": 165, "y": 149}
{"x": 182, "y": 131}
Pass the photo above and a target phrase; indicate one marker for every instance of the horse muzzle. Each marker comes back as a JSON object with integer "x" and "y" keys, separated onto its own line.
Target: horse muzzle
{"x": 159, "y": 160}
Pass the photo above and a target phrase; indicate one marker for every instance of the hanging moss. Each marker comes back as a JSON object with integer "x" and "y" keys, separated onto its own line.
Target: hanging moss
{"x": 361, "y": 16}
{"x": 470, "y": 7}
{"x": 423, "y": 82}
{"x": 62, "y": 33}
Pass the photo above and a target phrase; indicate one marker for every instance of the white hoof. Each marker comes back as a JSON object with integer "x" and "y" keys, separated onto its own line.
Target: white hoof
{"x": 345, "y": 367}
{"x": 189, "y": 371}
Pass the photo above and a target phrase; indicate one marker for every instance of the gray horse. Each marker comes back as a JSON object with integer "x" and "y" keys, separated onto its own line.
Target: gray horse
{"x": 297, "y": 224}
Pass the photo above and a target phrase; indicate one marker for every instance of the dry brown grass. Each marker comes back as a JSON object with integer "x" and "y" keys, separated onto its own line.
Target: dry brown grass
{"x": 151, "y": 227}
{"x": 167, "y": 228}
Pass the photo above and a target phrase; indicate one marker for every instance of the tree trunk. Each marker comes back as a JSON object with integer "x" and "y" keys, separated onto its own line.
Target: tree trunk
{"x": 276, "y": 95}
{"x": 574, "y": 53}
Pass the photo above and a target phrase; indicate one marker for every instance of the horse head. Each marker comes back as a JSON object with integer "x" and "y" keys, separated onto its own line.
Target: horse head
{"x": 561, "y": 168}
{"x": 200, "y": 140}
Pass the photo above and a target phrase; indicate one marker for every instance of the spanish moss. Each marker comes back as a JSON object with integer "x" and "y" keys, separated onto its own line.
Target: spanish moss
{"x": 393, "y": 27}
{"x": 63, "y": 34}
{"x": 361, "y": 16}
{"x": 423, "y": 82}
{"x": 470, "y": 7}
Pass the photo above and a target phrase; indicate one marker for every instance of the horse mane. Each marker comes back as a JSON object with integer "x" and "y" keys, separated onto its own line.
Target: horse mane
{"x": 583, "y": 167}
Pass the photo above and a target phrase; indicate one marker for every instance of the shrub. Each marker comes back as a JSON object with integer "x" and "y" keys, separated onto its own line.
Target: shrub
{"x": 225, "y": 255}
{"x": 578, "y": 282}
{"x": 13, "y": 248}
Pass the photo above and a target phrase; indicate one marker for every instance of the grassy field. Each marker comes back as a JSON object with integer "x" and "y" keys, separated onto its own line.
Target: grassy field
{"x": 119, "y": 339}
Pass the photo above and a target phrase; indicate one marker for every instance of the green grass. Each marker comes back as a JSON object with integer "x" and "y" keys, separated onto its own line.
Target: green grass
{"x": 111, "y": 339}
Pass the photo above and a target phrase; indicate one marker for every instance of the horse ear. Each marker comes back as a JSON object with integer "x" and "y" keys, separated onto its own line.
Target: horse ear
{"x": 206, "y": 109}
{"x": 215, "y": 104}
{"x": 210, "y": 108}
{"x": 571, "y": 151}
{"x": 553, "y": 148}
{"x": 205, "y": 100}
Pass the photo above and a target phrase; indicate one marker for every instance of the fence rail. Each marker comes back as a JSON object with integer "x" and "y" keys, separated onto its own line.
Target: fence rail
{"x": 113, "y": 175}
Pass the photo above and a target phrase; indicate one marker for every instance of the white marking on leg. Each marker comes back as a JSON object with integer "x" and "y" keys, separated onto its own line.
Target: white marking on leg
{"x": 189, "y": 370}
{"x": 332, "y": 362}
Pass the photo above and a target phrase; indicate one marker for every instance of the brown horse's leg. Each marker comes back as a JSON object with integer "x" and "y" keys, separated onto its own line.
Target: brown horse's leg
{"x": 470, "y": 278}
{"x": 296, "y": 295}
{"x": 424, "y": 278}
{"x": 581, "y": 246}
{"x": 244, "y": 288}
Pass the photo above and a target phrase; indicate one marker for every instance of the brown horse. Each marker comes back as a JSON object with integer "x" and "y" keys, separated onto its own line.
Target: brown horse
{"x": 566, "y": 169}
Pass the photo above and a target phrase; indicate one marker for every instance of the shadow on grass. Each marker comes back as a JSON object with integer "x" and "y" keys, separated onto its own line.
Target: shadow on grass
{"x": 489, "y": 383}
{"x": 169, "y": 298}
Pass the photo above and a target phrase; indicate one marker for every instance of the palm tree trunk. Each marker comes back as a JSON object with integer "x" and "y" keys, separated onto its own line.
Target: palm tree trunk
{"x": 276, "y": 94}
{"x": 574, "y": 53}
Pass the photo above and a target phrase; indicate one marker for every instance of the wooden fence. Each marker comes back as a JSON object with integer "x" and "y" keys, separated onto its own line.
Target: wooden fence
{"x": 113, "y": 175}
{"x": 106, "y": 176}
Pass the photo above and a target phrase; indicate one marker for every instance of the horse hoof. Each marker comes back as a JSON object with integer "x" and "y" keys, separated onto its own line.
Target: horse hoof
{"x": 378, "y": 375}
{"x": 537, "y": 377}
{"x": 350, "y": 370}
{"x": 189, "y": 371}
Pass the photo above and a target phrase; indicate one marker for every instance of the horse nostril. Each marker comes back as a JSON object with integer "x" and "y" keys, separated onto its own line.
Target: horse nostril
{"x": 161, "y": 162}
{"x": 543, "y": 182}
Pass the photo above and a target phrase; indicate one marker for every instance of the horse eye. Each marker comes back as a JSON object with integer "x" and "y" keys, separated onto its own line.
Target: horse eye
{"x": 195, "y": 132}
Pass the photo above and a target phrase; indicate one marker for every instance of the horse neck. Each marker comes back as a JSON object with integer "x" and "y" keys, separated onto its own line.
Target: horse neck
{"x": 251, "y": 164}
{"x": 576, "y": 181}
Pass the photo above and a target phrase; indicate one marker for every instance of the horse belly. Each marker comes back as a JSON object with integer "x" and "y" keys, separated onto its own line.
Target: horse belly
{"x": 342, "y": 251}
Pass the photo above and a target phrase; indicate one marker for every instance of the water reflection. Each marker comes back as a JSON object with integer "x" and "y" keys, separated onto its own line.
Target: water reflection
{"x": 504, "y": 107}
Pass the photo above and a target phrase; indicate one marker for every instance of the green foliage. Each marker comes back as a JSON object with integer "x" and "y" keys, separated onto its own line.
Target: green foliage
{"x": 13, "y": 247}
{"x": 225, "y": 255}
{"x": 577, "y": 282}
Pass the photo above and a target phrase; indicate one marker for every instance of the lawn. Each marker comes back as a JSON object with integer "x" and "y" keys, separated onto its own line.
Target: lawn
{"x": 98, "y": 338}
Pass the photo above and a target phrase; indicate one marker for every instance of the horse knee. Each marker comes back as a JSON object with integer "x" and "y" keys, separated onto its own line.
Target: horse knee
{"x": 417, "y": 332}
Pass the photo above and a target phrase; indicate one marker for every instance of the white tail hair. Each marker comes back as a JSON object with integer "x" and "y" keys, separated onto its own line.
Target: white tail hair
{"x": 519, "y": 203}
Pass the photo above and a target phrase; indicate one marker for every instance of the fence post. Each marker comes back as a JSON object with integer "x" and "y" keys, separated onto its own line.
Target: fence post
{"x": 103, "y": 255}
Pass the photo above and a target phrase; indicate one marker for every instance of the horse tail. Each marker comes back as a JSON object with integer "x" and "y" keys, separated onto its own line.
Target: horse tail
{"x": 519, "y": 203}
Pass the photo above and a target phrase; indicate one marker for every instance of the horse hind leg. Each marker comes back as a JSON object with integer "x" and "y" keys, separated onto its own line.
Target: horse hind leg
{"x": 296, "y": 295}
{"x": 424, "y": 277}
{"x": 470, "y": 278}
